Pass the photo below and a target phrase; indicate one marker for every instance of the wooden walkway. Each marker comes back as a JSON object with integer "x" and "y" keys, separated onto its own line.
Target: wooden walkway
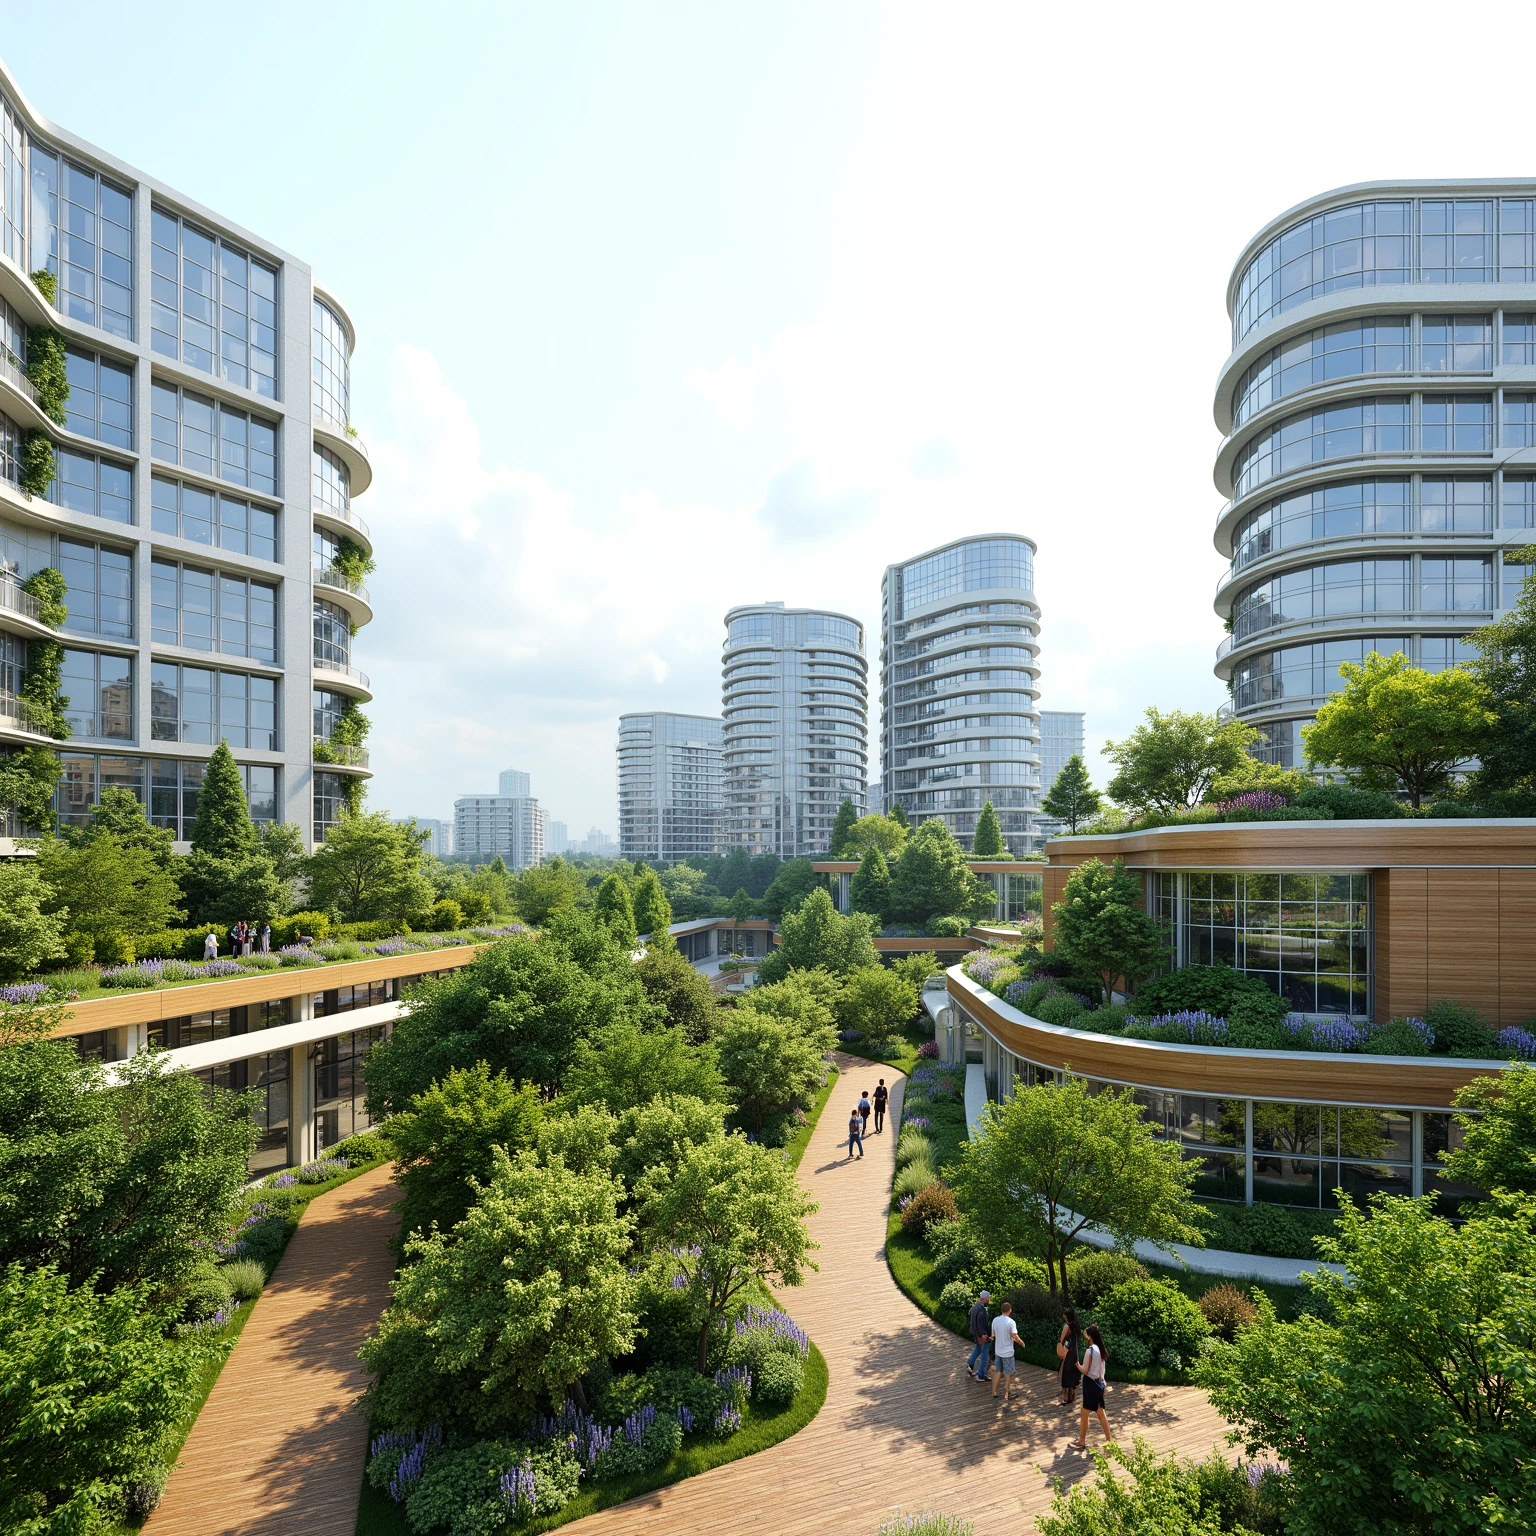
{"x": 278, "y": 1448}
{"x": 903, "y": 1428}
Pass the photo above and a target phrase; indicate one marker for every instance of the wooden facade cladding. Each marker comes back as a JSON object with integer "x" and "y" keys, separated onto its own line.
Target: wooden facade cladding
{"x": 1407, "y": 1082}
{"x": 1454, "y": 902}
{"x": 153, "y": 1004}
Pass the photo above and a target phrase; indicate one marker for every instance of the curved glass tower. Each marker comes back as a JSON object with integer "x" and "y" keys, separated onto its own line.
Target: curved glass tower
{"x": 959, "y": 681}
{"x": 1379, "y": 407}
{"x": 795, "y": 740}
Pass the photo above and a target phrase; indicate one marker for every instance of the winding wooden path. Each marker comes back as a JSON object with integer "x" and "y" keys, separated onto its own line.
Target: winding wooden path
{"x": 278, "y": 1449}
{"x": 903, "y": 1427}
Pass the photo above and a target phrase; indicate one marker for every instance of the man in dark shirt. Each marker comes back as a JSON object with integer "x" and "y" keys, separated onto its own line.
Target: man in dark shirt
{"x": 981, "y": 1332}
{"x": 881, "y": 1095}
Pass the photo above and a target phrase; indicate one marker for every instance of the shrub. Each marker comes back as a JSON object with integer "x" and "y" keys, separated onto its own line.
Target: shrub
{"x": 1161, "y": 1316}
{"x": 926, "y": 1523}
{"x": 370, "y": 933}
{"x": 917, "y": 1175}
{"x": 1282, "y": 1232}
{"x": 1095, "y": 1275}
{"x": 286, "y": 930}
{"x": 912, "y": 1145}
{"x": 958, "y": 1296}
{"x": 1126, "y": 1350}
{"x": 245, "y": 1278}
{"x": 777, "y": 1382}
{"x": 1402, "y": 1037}
{"x": 170, "y": 944}
{"x": 462, "y": 1490}
{"x": 1010, "y": 1272}
{"x": 114, "y": 949}
{"x": 960, "y": 1260}
{"x": 645, "y": 1440}
{"x": 934, "y": 1204}
{"x": 1104, "y": 1021}
{"x": 947, "y": 927}
{"x": 445, "y": 916}
{"x": 1061, "y": 1009}
{"x": 1226, "y": 1309}
{"x": 365, "y": 1147}
{"x": 1341, "y": 803}
{"x": 261, "y": 963}
{"x": 1460, "y": 1031}
{"x": 79, "y": 949}
{"x": 1034, "y": 1303}
{"x": 206, "y": 1294}
{"x": 1213, "y": 989}
{"x": 322, "y": 1170}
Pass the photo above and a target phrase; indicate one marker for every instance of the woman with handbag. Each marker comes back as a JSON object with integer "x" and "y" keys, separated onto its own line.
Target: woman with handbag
{"x": 1067, "y": 1347}
{"x": 1093, "y": 1388}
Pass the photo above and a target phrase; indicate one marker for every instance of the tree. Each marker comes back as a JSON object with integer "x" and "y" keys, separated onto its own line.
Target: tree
{"x": 688, "y": 893}
{"x": 119, "y": 814}
{"x": 898, "y": 814}
{"x": 615, "y": 911}
{"x": 1056, "y": 1159}
{"x": 880, "y": 832}
{"x": 653, "y": 915}
{"x": 870, "y": 889}
{"x": 520, "y": 1007}
{"x": 229, "y": 890}
{"x": 1399, "y": 727}
{"x": 1072, "y": 798}
{"x": 987, "y": 843}
{"x": 730, "y": 1217}
{"x": 847, "y": 814}
{"x": 770, "y": 1064}
{"x": 544, "y": 889}
{"x": 795, "y": 881}
{"x": 817, "y": 935}
{"x": 741, "y": 905}
{"x": 1102, "y": 926}
{"x": 1168, "y": 762}
{"x": 1506, "y": 667}
{"x": 1410, "y": 1408}
{"x": 1251, "y": 776}
{"x": 120, "y": 1183}
{"x": 90, "y": 1395}
{"x": 29, "y": 936}
{"x": 223, "y": 828}
{"x": 107, "y": 886}
{"x": 658, "y": 1134}
{"x": 448, "y": 1135}
{"x": 505, "y": 1315}
{"x": 877, "y": 1001}
{"x": 369, "y": 868}
{"x": 281, "y": 844}
{"x": 680, "y": 992}
{"x": 623, "y": 1066}
{"x": 932, "y": 880}
{"x": 916, "y": 968}
{"x": 1498, "y": 1132}
{"x": 808, "y": 999}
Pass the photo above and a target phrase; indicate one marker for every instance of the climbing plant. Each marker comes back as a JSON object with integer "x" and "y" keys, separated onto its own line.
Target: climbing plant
{"x": 36, "y": 462}
{"x": 353, "y": 561}
{"x": 45, "y": 370}
{"x": 47, "y": 284}
{"x": 29, "y": 777}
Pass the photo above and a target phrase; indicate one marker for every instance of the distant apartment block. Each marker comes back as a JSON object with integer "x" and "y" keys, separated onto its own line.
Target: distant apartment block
{"x": 511, "y": 826}
{"x": 1061, "y": 738}
{"x": 439, "y": 833}
{"x": 514, "y": 782}
{"x": 670, "y": 800}
{"x": 557, "y": 838}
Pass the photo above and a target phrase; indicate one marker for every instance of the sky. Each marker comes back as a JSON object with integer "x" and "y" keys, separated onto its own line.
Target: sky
{"x": 667, "y": 307}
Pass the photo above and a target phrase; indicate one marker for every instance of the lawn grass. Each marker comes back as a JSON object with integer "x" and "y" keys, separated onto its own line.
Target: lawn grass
{"x": 378, "y": 1515}
{"x": 794, "y": 1149}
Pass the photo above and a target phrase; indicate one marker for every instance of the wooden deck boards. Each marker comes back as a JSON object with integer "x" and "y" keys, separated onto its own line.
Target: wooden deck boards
{"x": 903, "y": 1427}
{"x": 278, "y": 1448}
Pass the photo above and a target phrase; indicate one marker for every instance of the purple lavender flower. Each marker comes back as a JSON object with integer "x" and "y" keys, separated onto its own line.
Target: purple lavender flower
{"x": 928, "y": 1050}
{"x": 727, "y": 1420}
{"x": 1337, "y": 1035}
{"x": 282, "y": 1180}
{"x": 916, "y": 1122}
{"x": 685, "y": 1418}
{"x": 213, "y": 968}
{"x": 1515, "y": 1041}
{"x": 520, "y": 1488}
{"x": 1254, "y": 800}
{"x": 322, "y": 1169}
{"x": 27, "y": 992}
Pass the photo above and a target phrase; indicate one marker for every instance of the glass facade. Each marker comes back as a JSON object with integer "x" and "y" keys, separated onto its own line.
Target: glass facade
{"x": 330, "y": 485}
{"x": 100, "y": 402}
{"x": 85, "y": 483}
{"x": 168, "y": 786}
{"x": 188, "y": 511}
{"x": 82, "y": 232}
{"x": 99, "y": 588}
{"x": 330, "y": 800}
{"x": 978, "y": 565}
{"x": 13, "y": 185}
{"x": 214, "y": 439}
{"x": 341, "y": 1108}
{"x": 100, "y": 692}
{"x": 333, "y": 635}
{"x": 332, "y": 379}
{"x": 194, "y": 704}
{"x": 208, "y": 610}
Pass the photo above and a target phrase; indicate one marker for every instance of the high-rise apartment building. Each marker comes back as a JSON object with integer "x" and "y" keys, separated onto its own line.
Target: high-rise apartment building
{"x": 514, "y": 782}
{"x": 795, "y": 740}
{"x": 670, "y": 805}
{"x": 557, "y": 838}
{"x": 509, "y": 826}
{"x": 439, "y": 833}
{"x": 959, "y": 676}
{"x": 199, "y": 504}
{"x": 1379, "y": 417}
{"x": 1061, "y": 738}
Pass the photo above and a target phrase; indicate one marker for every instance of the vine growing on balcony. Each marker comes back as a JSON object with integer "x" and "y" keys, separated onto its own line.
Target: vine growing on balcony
{"x": 46, "y": 284}
{"x": 353, "y": 561}
{"x": 37, "y": 462}
{"x": 29, "y": 777}
{"x": 46, "y": 372}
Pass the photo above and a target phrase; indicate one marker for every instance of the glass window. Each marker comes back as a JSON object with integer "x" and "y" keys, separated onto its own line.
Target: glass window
{"x": 1336, "y": 431}
{"x": 1457, "y": 585}
{"x": 341, "y": 1108}
{"x": 212, "y": 305}
{"x": 194, "y": 704}
{"x": 13, "y": 185}
{"x": 99, "y": 582}
{"x": 100, "y": 693}
{"x": 1520, "y": 337}
{"x": 84, "y": 483}
{"x": 1305, "y": 671}
{"x": 1515, "y": 577}
{"x": 1456, "y": 241}
{"x": 330, "y": 800}
{"x": 174, "y": 786}
{"x": 1456, "y": 344}
{"x": 85, "y": 776}
{"x": 1344, "y": 510}
{"x": 329, "y": 485}
{"x": 212, "y": 611}
{"x": 213, "y": 439}
{"x": 1455, "y": 505}
{"x": 82, "y": 232}
{"x": 971, "y": 567}
{"x": 332, "y": 367}
{"x": 100, "y": 402}
{"x": 189, "y": 512}
{"x": 1457, "y": 423}
{"x": 1519, "y": 429}
{"x": 333, "y": 635}
{"x": 1340, "y": 587}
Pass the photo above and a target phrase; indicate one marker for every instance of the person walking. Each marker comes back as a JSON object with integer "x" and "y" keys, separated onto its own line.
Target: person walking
{"x": 1093, "y": 1388}
{"x": 211, "y": 946}
{"x": 981, "y": 1336}
{"x": 881, "y": 1098}
{"x": 1067, "y": 1349}
{"x": 866, "y": 1109}
{"x": 855, "y": 1134}
{"x": 1004, "y": 1332}
{"x": 266, "y": 938}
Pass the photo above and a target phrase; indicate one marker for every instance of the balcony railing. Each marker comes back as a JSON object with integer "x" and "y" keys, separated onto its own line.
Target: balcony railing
{"x": 344, "y": 515}
{"x": 340, "y": 754}
{"x": 331, "y": 576}
{"x": 11, "y": 369}
{"x": 16, "y": 600}
{"x": 20, "y": 715}
{"x": 341, "y": 669}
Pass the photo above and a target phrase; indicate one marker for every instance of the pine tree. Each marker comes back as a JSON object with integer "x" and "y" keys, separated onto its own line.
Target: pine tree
{"x": 223, "y": 829}
{"x": 988, "y": 842}
{"x": 870, "y": 888}
{"x": 1072, "y": 798}
{"x": 846, "y": 817}
{"x": 898, "y": 814}
{"x": 614, "y": 910}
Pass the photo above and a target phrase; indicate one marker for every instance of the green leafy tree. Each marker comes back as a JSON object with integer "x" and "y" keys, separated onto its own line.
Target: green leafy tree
{"x": 614, "y": 909}
{"x": 932, "y": 880}
{"x": 223, "y": 828}
{"x": 657, "y": 1135}
{"x": 898, "y": 814}
{"x": 876, "y": 1001}
{"x": 119, "y": 814}
{"x": 881, "y": 832}
{"x": 448, "y": 1136}
{"x": 794, "y": 883}
{"x": 741, "y": 905}
{"x": 870, "y": 889}
{"x": 121, "y": 1183}
{"x": 623, "y": 1066}
{"x": 1409, "y": 1409}
{"x": 688, "y": 892}
{"x": 916, "y": 968}
{"x": 1498, "y": 1132}
{"x": 682, "y": 994}
{"x": 29, "y": 936}
{"x": 1396, "y": 726}
{"x": 1072, "y": 798}
{"x": 90, "y": 1397}
{"x": 1056, "y": 1159}
{"x": 810, "y": 999}
{"x": 1168, "y": 762}
{"x": 369, "y": 868}
{"x": 1506, "y": 667}
{"x": 987, "y": 842}
{"x": 771, "y": 1065}
{"x": 1102, "y": 926}
{"x": 229, "y": 890}
{"x": 108, "y": 886}
{"x": 730, "y": 1217}
{"x": 281, "y": 844}
{"x": 817, "y": 935}
{"x": 520, "y": 1007}
{"x": 653, "y": 915}
{"x": 504, "y": 1316}
{"x": 544, "y": 889}
{"x": 1251, "y": 776}
{"x": 581, "y": 1138}
{"x": 847, "y": 814}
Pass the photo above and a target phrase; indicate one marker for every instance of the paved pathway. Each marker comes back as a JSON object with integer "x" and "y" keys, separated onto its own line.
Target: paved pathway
{"x": 903, "y": 1427}
{"x": 278, "y": 1448}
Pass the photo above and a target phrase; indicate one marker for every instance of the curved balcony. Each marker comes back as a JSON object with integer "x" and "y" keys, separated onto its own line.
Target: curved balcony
{"x": 25, "y": 296}
{"x": 349, "y": 448}
{"x": 344, "y": 679}
{"x": 20, "y": 612}
{"x": 348, "y": 759}
{"x": 346, "y": 593}
{"x": 18, "y": 725}
{"x": 345, "y": 522}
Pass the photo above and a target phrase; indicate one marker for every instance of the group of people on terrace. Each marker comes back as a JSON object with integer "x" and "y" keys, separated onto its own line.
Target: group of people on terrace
{"x": 244, "y": 939}
{"x": 858, "y": 1119}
